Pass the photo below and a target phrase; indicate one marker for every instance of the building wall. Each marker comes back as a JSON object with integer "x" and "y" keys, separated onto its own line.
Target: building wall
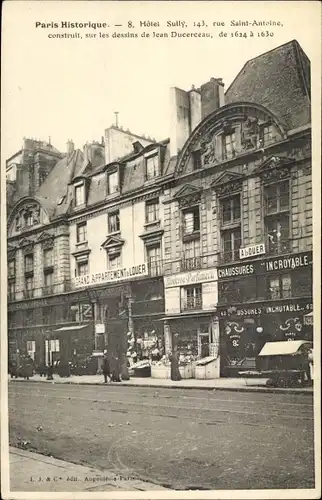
{"x": 119, "y": 142}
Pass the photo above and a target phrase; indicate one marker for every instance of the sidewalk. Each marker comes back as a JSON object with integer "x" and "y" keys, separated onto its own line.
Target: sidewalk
{"x": 31, "y": 471}
{"x": 221, "y": 384}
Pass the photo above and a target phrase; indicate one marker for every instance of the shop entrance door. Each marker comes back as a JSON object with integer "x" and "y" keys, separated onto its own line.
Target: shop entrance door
{"x": 204, "y": 345}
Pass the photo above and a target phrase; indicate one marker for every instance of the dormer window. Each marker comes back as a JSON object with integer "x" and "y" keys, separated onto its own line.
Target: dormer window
{"x": 28, "y": 219}
{"x": 79, "y": 195}
{"x": 152, "y": 166}
{"x": 196, "y": 159}
{"x": 113, "y": 183}
{"x": 268, "y": 134}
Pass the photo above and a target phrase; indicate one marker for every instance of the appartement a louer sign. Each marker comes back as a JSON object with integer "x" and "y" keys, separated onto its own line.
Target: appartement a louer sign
{"x": 126, "y": 273}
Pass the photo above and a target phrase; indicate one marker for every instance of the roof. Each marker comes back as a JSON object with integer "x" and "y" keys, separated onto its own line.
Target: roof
{"x": 283, "y": 347}
{"x": 54, "y": 186}
{"x": 279, "y": 80}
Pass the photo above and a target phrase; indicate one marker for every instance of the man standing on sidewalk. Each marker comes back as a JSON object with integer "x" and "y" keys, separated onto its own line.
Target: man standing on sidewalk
{"x": 106, "y": 369}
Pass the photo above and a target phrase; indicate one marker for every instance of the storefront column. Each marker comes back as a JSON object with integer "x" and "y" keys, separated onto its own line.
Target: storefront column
{"x": 214, "y": 347}
{"x": 167, "y": 338}
{"x": 96, "y": 320}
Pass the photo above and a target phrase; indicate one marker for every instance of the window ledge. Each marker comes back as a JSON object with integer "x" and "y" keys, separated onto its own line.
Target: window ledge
{"x": 155, "y": 222}
{"x": 191, "y": 236}
{"x": 230, "y": 225}
{"x": 81, "y": 243}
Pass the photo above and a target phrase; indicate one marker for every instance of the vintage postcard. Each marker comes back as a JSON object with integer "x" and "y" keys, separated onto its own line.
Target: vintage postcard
{"x": 160, "y": 249}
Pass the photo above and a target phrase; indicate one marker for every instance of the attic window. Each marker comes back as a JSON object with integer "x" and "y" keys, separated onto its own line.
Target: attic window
{"x": 61, "y": 200}
{"x": 79, "y": 195}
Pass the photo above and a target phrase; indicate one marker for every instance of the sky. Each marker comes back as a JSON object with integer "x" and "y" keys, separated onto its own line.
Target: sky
{"x": 70, "y": 88}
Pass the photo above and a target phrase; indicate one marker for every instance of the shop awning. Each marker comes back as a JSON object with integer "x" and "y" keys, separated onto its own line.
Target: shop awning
{"x": 68, "y": 329}
{"x": 283, "y": 348}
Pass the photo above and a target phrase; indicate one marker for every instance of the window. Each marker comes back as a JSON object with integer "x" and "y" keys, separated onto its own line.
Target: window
{"x": 278, "y": 233}
{"x": 29, "y": 285}
{"x": 277, "y": 198}
{"x": 52, "y": 345}
{"x": 46, "y": 315}
{"x": 81, "y": 232}
{"x": 196, "y": 160}
{"x": 191, "y": 255}
{"x": 231, "y": 243}
{"x": 302, "y": 283}
{"x": 114, "y": 261}
{"x": 49, "y": 280}
{"x": 192, "y": 297}
{"x": 31, "y": 348}
{"x": 114, "y": 222}
{"x": 48, "y": 257}
{"x": 11, "y": 268}
{"x": 268, "y": 134}
{"x": 230, "y": 209}
{"x": 28, "y": 219}
{"x": 113, "y": 182}
{"x": 152, "y": 167}
{"x": 82, "y": 268}
{"x": 11, "y": 290}
{"x": 279, "y": 287}
{"x": 191, "y": 220}
{"x": 30, "y": 316}
{"x": 154, "y": 259}
{"x": 152, "y": 211}
{"x": 29, "y": 263}
{"x": 79, "y": 195}
{"x": 229, "y": 145}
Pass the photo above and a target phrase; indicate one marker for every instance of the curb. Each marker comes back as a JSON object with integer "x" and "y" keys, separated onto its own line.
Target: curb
{"x": 260, "y": 389}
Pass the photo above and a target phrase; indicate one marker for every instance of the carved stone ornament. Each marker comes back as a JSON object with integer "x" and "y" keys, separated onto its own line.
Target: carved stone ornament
{"x": 275, "y": 175}
{"x": 28, "y": 216}
{"x": 250, "y": 133}
{"x": 229, "y": 187}
{"x": 207, "y": 150}
{"x": 28, "y": 249}
{"x": 47, "y": 243}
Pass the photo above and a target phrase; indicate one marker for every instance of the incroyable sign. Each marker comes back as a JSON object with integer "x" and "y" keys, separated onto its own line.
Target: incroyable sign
{"x": 190, "y": 278}
{"x": 251, "y": 251}
{"x": 256, "y": 310}
{"x": 111, "y": 276}
{"x": 287, "y": 263}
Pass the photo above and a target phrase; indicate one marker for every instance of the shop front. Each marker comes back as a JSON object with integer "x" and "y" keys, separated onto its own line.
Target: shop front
{"x": 244, "y": 330}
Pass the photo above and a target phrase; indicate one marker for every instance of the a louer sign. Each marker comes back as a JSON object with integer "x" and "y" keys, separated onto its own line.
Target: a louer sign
{"x": 126, "y": 273}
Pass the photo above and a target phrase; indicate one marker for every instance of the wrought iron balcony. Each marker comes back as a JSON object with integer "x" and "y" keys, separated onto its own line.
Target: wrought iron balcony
{"x": 187, "y": 264}
{"x": 55, "y": 289}
{"x": 277, "y": 247}
{"x": 192, "y": 304}
{"x": 190, "y": 263}
{"x": 229, "y": 256}
{"x": 155, "y": 268}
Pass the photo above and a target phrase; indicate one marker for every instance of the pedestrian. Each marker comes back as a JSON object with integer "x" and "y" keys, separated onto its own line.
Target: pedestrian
{"x": 175, "y": 372}
{"x": 115, "y": 369}
{"x": 106, "y": 369}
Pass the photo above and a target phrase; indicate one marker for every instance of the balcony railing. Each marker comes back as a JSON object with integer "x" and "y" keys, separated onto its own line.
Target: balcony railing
{"x": 193, "y": 304}
{"x": 146, "y": 307}
{"x": 155, "y": 268}
{"x": 190, "y": 263}
{"x": 228, "y": 256}
{"x": 55, "y": 289}
{"x": 277, "y": 247}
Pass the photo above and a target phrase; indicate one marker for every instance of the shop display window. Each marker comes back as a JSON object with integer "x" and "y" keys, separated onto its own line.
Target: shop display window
{"x": 279, "y": 287}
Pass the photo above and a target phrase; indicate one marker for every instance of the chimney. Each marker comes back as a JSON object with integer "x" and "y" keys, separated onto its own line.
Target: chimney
{"x": 212, "y": 96}
{"x": 195, "y": 108}
{"x": 179, "y": 119}
{"x": 70, "y": 147}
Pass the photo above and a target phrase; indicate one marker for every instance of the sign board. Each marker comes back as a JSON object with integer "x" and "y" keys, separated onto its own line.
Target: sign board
{"x": 172, "y": 300}
{"x": 99, "y": 328}
{"x": 190, "y": 278}
{"x": 111, "y": 276}
{"x": 251, "y": 251}
{"x": 270, "y": 308}
{"x": 209, "y": 295}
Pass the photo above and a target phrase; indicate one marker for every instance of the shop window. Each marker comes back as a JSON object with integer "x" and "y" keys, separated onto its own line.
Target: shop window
{"x": 229, "y": 145}
{"x": 196, "y": 160}
{"x": 12, "y": 268}
{"x": 152, "y": 167}
{"x": 79, "y": 195}
{"x": 81, "y": 232}
{"x": 279, "y": 287}
{"x": 154, "y": 259}
{"x": 278, "y": 234}
{"x": 230, "y": 210}
{"x": 152, "y": 211}
{"x": 114, "y": 261}
{"x": 114, "y": 222}
{"x": 29, "y": 263}
{"x": 82, "y": 268}
{"x": 191, "y": 255}
{"x": 191, "y": 221}
{"x": 277, "y": 198}
{"x": 229, "y": 292}
{"x": 191, "y": 298}
{"x": 302, "y": 283}
{"x": 31, "y": 348}
{"x": 231, "y": 243}
{"x": 11, "y": 290}
{"x": 29, "y": 287}
{"x": 113, "y": 183}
